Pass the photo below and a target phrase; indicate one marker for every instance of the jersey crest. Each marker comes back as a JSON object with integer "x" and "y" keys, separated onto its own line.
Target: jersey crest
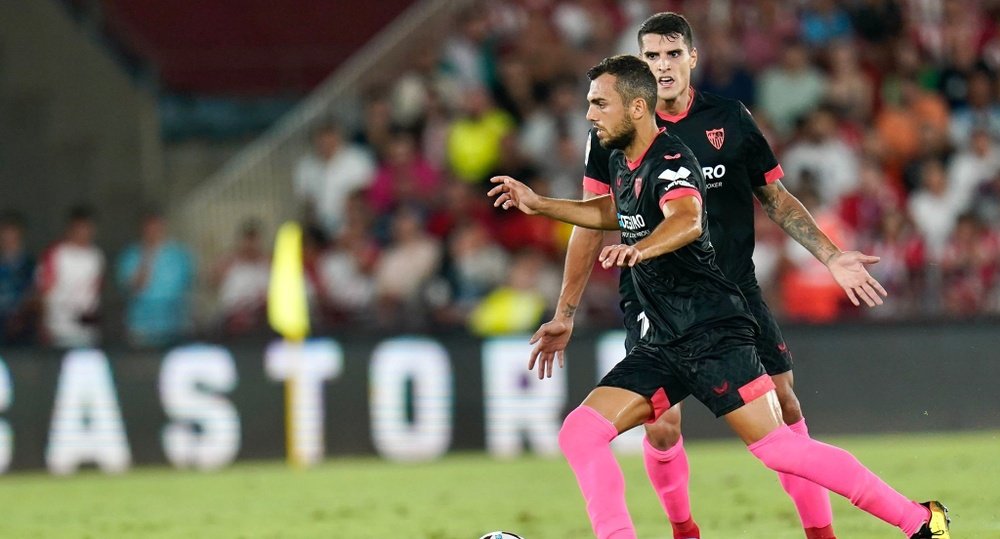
{"x": 637, "y": 185}
{"x": 716, "y": 137}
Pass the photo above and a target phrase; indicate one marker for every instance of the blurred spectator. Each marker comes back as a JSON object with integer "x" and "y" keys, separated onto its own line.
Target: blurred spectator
{"x": 404, "y": 177}
{"x": 976, "y": 164}
{"x": 831, "y": 162}
{"x": 404, "y": 267}
{"x": 849, "y": 90}
{"x": 346, "y": 269}
{"x": 476, "y": 263}
{"x": 790, "y": 90}
{"x": 980, "y": 113}
{"x": 376, "y": 125}
{"x": 723, "y": 73}
{"x": 877, "y": 21}
{"x": 325, "y": 178}
{"x": 934, "y": 208}
{"x": 864, "y": 208}
{"x": 156, "y": 274}
{"x": 765, "y": 27}
{"x": 561, "y": 116}
{"x": 468, "y": 55}
{"x": 970, "y": 267}
{"x": 519, "y": 305}
{"x": 474, "y": 139}
{"x": 242, "y": 278}
{"x": 824, "y": 21}
{"x": 459, "y": 204}
{"x": 906, "y": 122}
{"x": 900, "y": 268}
{"x": 809, "y": 292}
{"x": 17, "y": 274}
{"x": 69, "y": 278}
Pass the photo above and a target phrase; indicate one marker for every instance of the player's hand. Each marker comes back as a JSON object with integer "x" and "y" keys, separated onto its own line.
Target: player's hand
{"x": 848, "y": 269}
{"x": 511, "y": 193}
{"x": 620, "y": 255}
{"x": 550, "y": 344}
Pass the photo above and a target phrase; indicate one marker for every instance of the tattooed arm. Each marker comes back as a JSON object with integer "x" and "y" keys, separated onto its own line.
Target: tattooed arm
{"x": 847, "y": 268}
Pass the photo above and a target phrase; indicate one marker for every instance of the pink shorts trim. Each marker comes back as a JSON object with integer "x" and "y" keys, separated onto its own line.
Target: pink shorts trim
{"x": 660, "y": 404}
{"x": 755, "y": 388}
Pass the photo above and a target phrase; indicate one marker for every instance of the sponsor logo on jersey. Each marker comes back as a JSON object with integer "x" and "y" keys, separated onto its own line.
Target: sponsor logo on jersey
{"x": 678, "y": 174}
{"x": 716, "y": 137}
{"x": 714, "y": 173}
{"x": 631, "y": 222}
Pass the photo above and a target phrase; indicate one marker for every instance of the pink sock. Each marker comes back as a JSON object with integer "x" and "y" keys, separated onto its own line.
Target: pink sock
{"x": 837, "y": 470}
{"x": 668, "y": 472}
{"x": 585, "y": 439}
{"x": 811, "y": 500}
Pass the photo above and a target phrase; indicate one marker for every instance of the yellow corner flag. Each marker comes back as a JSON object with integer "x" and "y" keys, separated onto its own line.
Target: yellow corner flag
{"x": 288, "y": 314}
{"x": 287, "y": 307}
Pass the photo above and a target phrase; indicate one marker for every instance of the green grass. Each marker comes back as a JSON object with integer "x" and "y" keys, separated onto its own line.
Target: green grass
{"x": 463, "y": 496}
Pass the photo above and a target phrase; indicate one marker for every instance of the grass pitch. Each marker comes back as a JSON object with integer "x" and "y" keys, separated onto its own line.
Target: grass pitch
{"x": 464, "y": 496}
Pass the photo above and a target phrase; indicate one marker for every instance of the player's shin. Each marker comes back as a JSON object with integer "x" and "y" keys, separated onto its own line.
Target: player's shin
{"x": 585, "y": 439}
{"x": 837, "y": 470}
{"x": 668, "y": 471}
{"x": 811, "y": 500}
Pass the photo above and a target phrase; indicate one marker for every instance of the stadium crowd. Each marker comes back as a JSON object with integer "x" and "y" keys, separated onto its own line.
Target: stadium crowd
{"x": 885, "y": 115}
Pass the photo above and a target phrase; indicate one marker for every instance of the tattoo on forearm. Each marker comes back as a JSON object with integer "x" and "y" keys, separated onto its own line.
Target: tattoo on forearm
{"x": 795, "y": 220}
{"x": 569, "y": 310}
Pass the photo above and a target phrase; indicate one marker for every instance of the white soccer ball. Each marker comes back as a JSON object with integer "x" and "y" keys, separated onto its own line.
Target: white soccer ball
{"x": 501, "y": 535}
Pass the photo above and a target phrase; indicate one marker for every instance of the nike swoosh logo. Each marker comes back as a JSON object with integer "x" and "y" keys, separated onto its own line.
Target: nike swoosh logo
{"x": 721, "y": 390}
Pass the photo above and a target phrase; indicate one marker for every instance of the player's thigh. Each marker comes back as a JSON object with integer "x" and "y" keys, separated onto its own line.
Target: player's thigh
{"x": 771, "y": 348}
{"x": 723, "y": 371}
{"x": 755, "y": 419}
{"x": 622, "y": 407}
{"x": 646, "y": 371}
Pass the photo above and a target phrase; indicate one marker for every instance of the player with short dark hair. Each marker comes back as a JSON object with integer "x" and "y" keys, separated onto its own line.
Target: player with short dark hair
{"x": 738, "y": 165}
{"x": 699, "y": 334}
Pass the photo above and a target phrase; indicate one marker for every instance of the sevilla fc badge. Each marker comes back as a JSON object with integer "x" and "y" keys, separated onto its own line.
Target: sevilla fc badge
{"x": 638, "y": 185}
{"x": 716, "y": 137}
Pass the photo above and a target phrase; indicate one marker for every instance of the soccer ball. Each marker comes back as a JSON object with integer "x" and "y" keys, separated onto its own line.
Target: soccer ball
{"x": 501, "y": 535}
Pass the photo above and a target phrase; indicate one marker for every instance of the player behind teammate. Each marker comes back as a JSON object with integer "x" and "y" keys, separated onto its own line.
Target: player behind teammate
{"x": 700, "y": 336}
{"x": 738, "y": 164}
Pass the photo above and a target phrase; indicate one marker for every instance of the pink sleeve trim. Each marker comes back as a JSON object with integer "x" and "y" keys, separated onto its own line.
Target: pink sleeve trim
{"x": 774, "y": 174}
{"x": 679, "y": 193}
{"x": 595, "y": 186}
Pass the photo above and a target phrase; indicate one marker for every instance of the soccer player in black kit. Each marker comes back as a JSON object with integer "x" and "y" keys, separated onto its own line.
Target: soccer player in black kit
{"x": 700, "y": 336}
{"x": 738, "y": 165}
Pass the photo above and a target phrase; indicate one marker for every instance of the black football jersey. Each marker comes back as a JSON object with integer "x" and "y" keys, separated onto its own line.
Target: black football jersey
{"x": 734, "y": 158}
{"x": 682, "y": 291}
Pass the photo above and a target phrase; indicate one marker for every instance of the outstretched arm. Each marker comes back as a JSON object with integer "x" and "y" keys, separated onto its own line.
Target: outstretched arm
{"x": 681, "y": 225}
{"x": 847, "y": 268}
{"x": 552, "y": 337}
{"x": 596, "y": 213}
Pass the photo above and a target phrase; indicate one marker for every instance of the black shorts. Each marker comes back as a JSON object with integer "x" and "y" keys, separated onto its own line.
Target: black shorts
{"x": 719, "y": 366}
{"x": 771, "y": 348}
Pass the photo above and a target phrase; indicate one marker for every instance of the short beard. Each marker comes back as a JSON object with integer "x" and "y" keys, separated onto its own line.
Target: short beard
{"x": 623, "y": 138}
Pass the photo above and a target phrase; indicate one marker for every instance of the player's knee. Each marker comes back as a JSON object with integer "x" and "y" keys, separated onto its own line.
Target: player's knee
{"x": 584, "y": 427}
{"x": 791, "y": 411}
{"x": 772, "y": 450}
{"x": 664, "y": 433}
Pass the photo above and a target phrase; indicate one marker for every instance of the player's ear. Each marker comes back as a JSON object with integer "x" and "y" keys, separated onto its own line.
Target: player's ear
{"x": 694, "y": 57}
{"x": 638, "y": 108}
